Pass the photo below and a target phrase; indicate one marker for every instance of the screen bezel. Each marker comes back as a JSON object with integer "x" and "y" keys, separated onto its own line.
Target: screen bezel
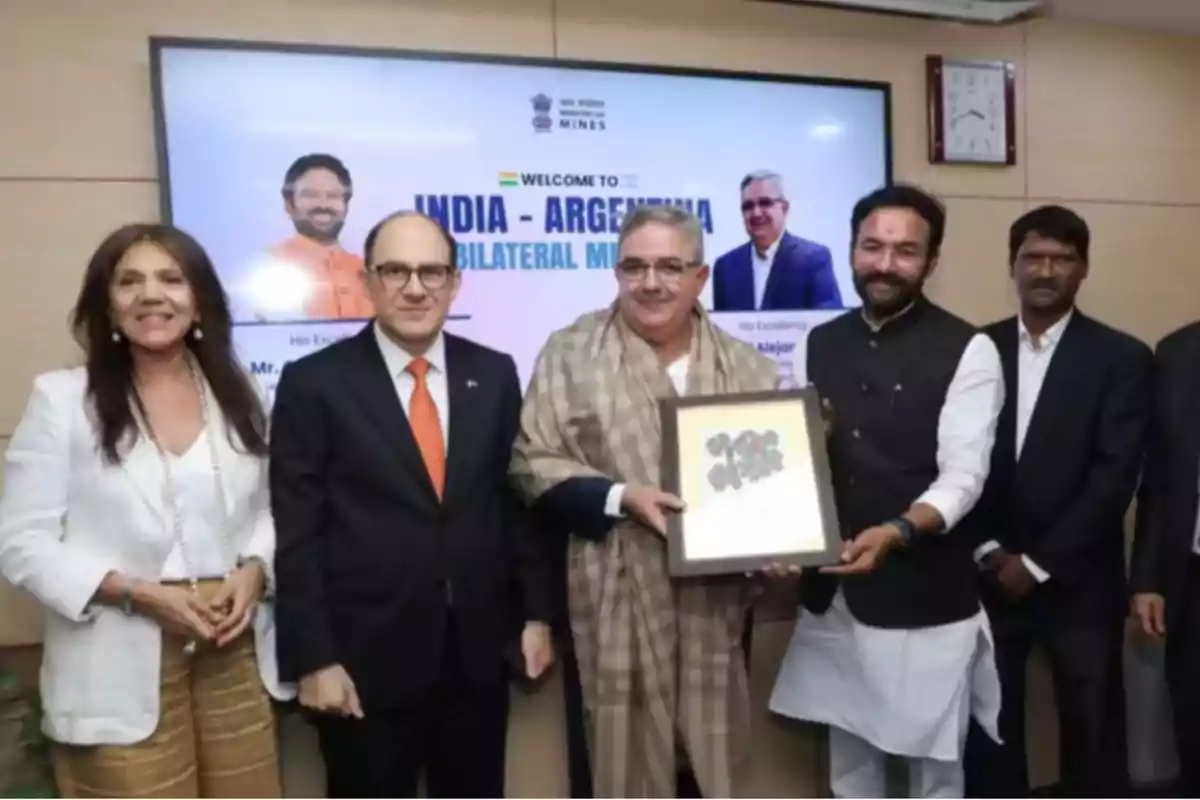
{"x": 159, "y": 44}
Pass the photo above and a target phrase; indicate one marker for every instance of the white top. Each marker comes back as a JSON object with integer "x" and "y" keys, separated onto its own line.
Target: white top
{"x": 203, "y": 519}
{"x": 1033, "y": 362}
{"x": 68, "y": 518}
{"x": 677, "y": 371}
{"x": 922, "y": 684}
{"x": 762, "y": 269}
{"x": 397, "y": 360}
{"x": 911, "y": 692}
{"x": 967, "y": 431}
{"x": 908, "y": 692}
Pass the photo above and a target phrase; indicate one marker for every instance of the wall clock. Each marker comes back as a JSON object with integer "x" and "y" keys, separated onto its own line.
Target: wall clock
{"x": 972, "y": 111}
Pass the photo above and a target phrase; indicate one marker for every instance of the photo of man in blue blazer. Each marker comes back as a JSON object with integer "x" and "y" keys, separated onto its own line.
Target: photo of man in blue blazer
{"x": 774, "y": 271}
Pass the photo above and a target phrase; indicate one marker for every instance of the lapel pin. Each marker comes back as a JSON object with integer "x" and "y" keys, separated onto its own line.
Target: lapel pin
{"x": 471, "y": 384}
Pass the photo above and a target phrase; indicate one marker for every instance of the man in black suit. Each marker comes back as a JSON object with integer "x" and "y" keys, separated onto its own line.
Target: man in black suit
{"x": 400, "y": 549}
{"x": 1165, "y": 573}
{"x": 1064, "y": 468}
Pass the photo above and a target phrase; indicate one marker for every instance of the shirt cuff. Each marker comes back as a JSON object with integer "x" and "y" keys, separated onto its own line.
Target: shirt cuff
{"x": 612, "y": 505}
{"x": 1040, "y": 575}
{"x": 948, "y": 504}
{"x": 985, "y": 548}
{"x": 81, "y": 579}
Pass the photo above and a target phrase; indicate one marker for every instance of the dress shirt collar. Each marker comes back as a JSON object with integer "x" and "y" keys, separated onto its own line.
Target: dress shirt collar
{"x": 1050, "y": 337}
{"x": 398, "y": 359}
{"x": 772, "y": 249}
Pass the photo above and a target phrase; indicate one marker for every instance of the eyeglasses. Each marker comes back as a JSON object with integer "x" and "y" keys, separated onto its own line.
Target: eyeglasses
{"x": 396, "y": 276}
{"x": 762, "y": 204}
{"x": 668, "y": 270}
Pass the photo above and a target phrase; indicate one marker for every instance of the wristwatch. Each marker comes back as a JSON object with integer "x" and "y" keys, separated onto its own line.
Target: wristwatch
{"x": 244, "y": 560}
{"x": 907, "y": 531}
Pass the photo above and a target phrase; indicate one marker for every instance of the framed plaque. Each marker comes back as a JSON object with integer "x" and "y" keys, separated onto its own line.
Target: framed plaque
{"x": 753, "y": 472}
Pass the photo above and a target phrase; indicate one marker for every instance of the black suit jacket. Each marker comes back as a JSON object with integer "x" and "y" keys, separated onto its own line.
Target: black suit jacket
{"x": 1167, "y": 502}
{"x": 1063, "y": 503}
{"x": 368, "y": 560}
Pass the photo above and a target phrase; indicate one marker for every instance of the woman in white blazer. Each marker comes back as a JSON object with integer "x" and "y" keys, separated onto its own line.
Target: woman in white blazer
{"x": 135, "y": 509}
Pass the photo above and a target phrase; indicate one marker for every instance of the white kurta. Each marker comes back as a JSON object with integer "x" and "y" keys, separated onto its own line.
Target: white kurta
{"x": 911, "y": 692}
{"x": 907, "y": 692}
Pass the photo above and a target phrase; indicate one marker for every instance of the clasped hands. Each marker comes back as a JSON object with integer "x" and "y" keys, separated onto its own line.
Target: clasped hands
{"x": 1008, "y": 574}
{"x": 220, "y": 620}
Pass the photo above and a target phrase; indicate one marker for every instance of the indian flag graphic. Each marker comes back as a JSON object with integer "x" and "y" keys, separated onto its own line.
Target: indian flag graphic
{"x": 509, "y": 179}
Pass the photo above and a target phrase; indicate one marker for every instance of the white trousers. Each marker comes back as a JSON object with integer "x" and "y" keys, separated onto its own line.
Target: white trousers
{"x": 859, "y": 769}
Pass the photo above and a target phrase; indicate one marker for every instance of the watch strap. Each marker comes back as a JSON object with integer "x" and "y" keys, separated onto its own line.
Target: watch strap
{"x": 907, "y": 530}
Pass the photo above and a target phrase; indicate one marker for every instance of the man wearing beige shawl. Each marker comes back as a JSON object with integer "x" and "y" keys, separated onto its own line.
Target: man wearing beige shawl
{"x": 660, "y": 659}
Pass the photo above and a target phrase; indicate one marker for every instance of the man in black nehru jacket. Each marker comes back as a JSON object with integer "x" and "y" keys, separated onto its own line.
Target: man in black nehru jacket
{"x": 895, "y": 653}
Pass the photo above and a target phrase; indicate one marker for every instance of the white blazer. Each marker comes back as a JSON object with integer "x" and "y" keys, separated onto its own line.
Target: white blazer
{"x": 68, "y": 517}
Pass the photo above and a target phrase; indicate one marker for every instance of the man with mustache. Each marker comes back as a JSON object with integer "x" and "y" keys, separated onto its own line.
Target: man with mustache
{"x": 1064, "y": 469}
{"x": 775, "y": 270}
{"x": 316, "y": 196}
{"x": 895, "y": 653}
{"x": 661, "y": 665}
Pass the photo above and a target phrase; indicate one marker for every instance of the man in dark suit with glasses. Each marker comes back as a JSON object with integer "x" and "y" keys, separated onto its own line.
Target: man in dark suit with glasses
{"x": 774, "y": 271}
{"x": 406, "y": 566}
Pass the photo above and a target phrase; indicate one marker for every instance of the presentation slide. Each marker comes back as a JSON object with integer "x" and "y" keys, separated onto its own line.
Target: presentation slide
{"x": 279, "y": 161}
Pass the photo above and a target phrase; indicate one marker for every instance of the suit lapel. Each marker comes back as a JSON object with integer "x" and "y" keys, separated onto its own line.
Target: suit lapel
{"x": 1055, "y": 396}
{"x": 776, "y": 275}
{"x": 1182, "y": 415}
{"x": 742, "y": 291}
{"x": 376, "y": 393}
{"x": 465, "y": 416}
{"x": 1007, "y": 343}
{"x": 144, "y": 469}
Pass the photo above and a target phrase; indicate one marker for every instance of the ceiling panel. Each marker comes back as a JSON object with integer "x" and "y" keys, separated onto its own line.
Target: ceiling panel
{"x": 1175, "y": 15}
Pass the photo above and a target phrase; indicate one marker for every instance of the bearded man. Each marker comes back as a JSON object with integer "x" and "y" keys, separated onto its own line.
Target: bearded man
{"x": 895, "y": 653}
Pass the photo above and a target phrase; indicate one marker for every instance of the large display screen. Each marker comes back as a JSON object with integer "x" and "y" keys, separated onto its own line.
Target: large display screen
{"x": 279, "y": 160}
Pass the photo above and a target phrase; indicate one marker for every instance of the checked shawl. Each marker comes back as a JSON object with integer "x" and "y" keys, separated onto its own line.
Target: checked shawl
{"x": 660, "y": 660}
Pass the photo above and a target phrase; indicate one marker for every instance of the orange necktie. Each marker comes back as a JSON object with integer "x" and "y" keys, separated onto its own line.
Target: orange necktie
{"x": 427, "y": 430}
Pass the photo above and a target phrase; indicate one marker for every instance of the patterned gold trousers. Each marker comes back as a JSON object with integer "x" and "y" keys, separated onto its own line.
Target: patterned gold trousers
{"x": 215, "y": 735}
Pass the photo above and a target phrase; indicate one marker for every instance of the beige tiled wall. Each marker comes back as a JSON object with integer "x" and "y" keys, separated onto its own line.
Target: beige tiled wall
{"x": 1107, "y": 123}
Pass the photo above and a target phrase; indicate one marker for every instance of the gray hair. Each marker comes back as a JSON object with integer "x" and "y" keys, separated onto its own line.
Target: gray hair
{"x": 674, "y": 217}
{"x": 760, "y": 175}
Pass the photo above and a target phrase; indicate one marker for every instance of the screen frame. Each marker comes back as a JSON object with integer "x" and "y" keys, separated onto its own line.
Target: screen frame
{"x": 159, "y": 44}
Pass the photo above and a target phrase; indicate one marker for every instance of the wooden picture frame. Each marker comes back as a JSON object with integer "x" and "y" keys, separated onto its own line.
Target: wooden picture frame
{"x": 753, "y": 471}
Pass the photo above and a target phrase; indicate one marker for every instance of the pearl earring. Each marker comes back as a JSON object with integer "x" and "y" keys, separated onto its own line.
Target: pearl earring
{"x": 116, "y": 336}
{"x": 197, "y": 334}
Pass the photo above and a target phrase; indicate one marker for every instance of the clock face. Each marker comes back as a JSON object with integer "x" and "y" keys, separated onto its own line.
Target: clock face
{"x": 974, "y": 112}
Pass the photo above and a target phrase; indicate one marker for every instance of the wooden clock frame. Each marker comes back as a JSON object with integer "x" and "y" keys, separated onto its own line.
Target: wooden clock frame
{"x": 934, "y": 93}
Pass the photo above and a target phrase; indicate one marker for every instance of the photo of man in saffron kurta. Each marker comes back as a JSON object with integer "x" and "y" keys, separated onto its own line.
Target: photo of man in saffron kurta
{"x": 310, "y": 276}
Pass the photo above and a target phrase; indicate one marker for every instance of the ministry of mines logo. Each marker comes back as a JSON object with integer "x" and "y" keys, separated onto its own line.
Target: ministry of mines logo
{"x": 541, "y": 113}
